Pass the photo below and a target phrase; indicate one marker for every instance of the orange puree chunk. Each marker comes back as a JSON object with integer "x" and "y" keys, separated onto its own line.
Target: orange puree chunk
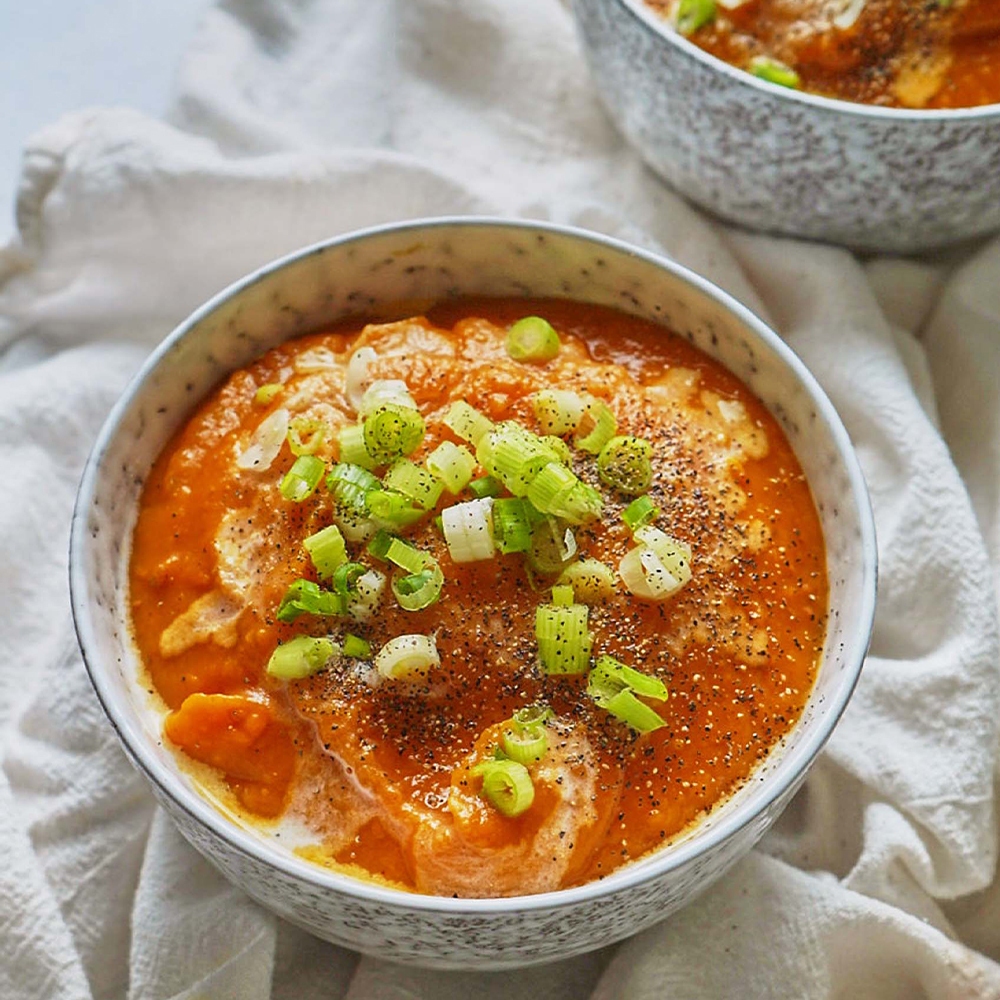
{"x": 242, "y": 739}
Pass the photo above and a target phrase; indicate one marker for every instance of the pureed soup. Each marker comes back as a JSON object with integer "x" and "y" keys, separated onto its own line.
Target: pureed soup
{"x": 899, "y": 53}
{"x": 485, "y": 603}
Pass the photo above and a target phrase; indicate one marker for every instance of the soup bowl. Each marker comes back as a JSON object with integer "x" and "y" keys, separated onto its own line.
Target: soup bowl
{"x": 365, "y": 273}
{"x": 785, "y": 161}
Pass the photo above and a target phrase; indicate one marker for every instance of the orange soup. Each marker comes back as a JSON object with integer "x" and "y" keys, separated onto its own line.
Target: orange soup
{"x": 486, "y": 602}
{"x": 899, "y": 53}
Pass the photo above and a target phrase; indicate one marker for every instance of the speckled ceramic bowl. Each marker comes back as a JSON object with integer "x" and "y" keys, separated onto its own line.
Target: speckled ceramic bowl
{"x": 432, "y": 260}
{"x": 880, "y": 179}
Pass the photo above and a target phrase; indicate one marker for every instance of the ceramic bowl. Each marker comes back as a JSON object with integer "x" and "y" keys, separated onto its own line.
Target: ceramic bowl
{"x": 771, "y": 158}
{"x": 433, "y": 260}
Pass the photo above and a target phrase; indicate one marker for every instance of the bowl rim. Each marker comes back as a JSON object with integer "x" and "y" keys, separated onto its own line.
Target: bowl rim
{"x": 659, "y": 25}
{"x": 141, "y": 749}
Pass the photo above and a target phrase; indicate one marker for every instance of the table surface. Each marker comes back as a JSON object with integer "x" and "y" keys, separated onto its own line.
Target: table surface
{"x": 57, "y": 56}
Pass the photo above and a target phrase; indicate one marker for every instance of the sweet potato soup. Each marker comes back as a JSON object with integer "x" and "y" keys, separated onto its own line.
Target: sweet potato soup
{"x": 899, "y": 53}
{"x": 482, "y": 603}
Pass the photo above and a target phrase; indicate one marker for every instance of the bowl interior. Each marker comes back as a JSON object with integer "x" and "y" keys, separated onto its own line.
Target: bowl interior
{"x": 415, "y": 263}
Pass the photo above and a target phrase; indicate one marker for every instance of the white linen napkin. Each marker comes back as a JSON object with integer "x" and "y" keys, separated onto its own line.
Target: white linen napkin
{"x": 298, "y": 120}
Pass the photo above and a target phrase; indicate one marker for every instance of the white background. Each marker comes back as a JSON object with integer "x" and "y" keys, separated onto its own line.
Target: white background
{"x": 60, "y": 55}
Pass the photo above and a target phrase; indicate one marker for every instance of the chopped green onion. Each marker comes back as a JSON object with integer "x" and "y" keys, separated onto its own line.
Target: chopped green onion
{"x": 559, "y": 448}
{"x": 392, "y": 510}
{"x": 557, "y": 491}
{"x": 532, "y": 339}
{"x": 302, "y": 478}
{"x": 609, "y": 676}
{"x": 357, "y": 647}
{"x": 407, "y": 656}
{"x": 406, "y": 556}
{"x": 673, "y": 553}
{"x": 640, "y": 512}
{"x": 552, "y": 546}
{"x": 385, "y": 392}
{"x": 379, "y": 544}
{"x": 774, "y": 71}
{"x": 564, "y": 640}
{"x": 368, "y": 593}
{"x": 419, "y": 590}
{"x": 452, "y": 464}
{"x": 531, "y": 716}
{"x": 511, "y": 525}
{"x": 625, "y": 464}
{"x": 627, "y": 708}
{"x": 350, "y": 484}
{"x": 423, "y": 488}
{"x": 590, "y": 579}
{"x": 657, "y": 567}
{"x": 327, "y": 550}
{"x": 314, "y": 431}
{"x": 305, "y": 597}
{"x": 562, "y": 595}
{"x": 351, "y": 439}
{"x": 392, "y": 431}
{"x": 514, "y": 455}
{"x": 468, "y": 530}
{"x": 299, "y": 657}
{"x": 506, "y": 786}
{"x": 345, "y": 578}
{"x": 486, "y": 486}
{"x": 596, "y": 428}
{"x": 694, "y": 14}
{"x": 467, "y": 422}
{"x": 559, "y": 411}
{"x": 525, "y": 745}
{"x": 266, "y": 393}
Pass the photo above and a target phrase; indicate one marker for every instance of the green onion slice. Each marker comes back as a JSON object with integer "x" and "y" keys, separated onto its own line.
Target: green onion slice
{"x": 525, "y": 745}
{"x": 590, "y": 579}
{"x": 564, "y": 640}
{"x": 306, "y": 597}
{"x": 345, "y": 578}
{"x": 485, "y": 486}
{"x": 366, "y": 596}
{"x": 407, "y": 556}
{"x": 350, "y": 484}
{"x": 532, "y": 339}
{"x": 694, "y": 14}
{"x": 392, "y": 510}
{"x": 640, "y": 512}
{"x": 379, "y": 544}
{"x": 507, "y": 786}
{"x": 559, "y": 411}
{"x": 306, "y": 435}
{"x": 611, "y": 675}
{"x": 511, "y": 525}
{"x": 452, "y": 464}
{"x": 300, "y": 657}
{"x": 596, "y": 428}
{"x": 385, "y": 392}
{"x": 562, "y": 595}
{"x": 419, "y": 590}
{"x": 467, "y": 422}
{"x": 302, "y": 478}
{"x": 392, "y": 431}
{"x": 514, "y": 455}
{"x": 774, "y": 71}
{"x": 327, "y": 550}
{"x": 468, "y": 530}
{"x": 357, "y": 647}
{"x": 421, "y": 486}
{"x": 552, "y": 546}
{"x": 407, "y": 657}
{"x": 351, "y": 440}
{"x": 625, "y": 463}
{"x": 531, "y": 716}
{"x": 628, "y": 709}
{"x": 266, "y": 393}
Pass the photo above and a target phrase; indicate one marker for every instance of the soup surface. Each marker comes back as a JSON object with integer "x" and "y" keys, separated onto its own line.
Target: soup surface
{"x": 501, "y": 751}
{"x": 900, "y": 53}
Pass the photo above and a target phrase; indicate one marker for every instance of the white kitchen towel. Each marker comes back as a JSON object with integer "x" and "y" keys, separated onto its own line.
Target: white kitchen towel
{"x": 300, "y": 119}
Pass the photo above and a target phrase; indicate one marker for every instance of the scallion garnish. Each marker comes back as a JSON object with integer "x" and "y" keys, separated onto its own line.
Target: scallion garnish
{"x": 306, "y": 597}
{"x": 379, "y": 544}
{"x": 625, "y": 463}
{"x": 532, "y": 339}
{"x": 640, "y": 512}
{"x": 694, "y": 14}
{"x": 507, "y": 786}
{"x": 392, "y": 431}
{"x": 305, "y": 435}
{"x": 299, "y": 657}
{"x": 419, "y": 590}
{"x": 626, "y": 707}
{"x": 266, "y": 393}
{"x": 350, "y": 484}
{"x": 559, "y": 448}
{"x": 564, "y": 640}
{"x": 514, "y": 455}
{"x": 302, "y": 478}
{"x": 345, "y": 578}
{"x": 406, "y": 556}
{"x": 774, "y": 71}
{"x": 511, "y": 525}
{"x": 590, "y": 579}
{"x": 467, "y": 422}
{"x": 392, "y": 510}
{"x": 468, "y": 530}
{"x": 357, "y": 647}
{"x": 596, "y": 428}
{"x": 562, "y": 595}
{"x": 351, "y": 440}
{"x": 452, "y": 464}
{"x": 327, "y": 550}
{"x": 526, "y": 745}
{"x": 408, "y": 478}
{"x": 485, "y": 486}
{"x": 407, "y": 656}
{"x": 657, "y": 567}
{"x": 552, "y": 546}
{"x": 614, "y": 686}
{"x": 559, "y": 411}
{"x": 385, "y": 392}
